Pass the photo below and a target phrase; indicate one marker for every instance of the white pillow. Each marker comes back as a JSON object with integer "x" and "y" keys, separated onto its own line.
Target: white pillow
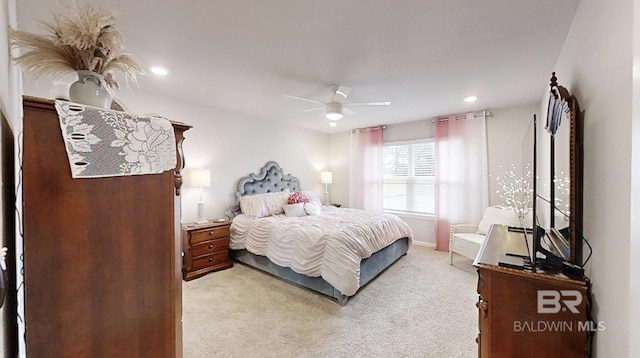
{"x": 493, "y": 215}
{"x": 313, "y": 208}
{"x": 267, "y": 204}
{"x": 313, "y": 196}
{"x": 296, "y": 209}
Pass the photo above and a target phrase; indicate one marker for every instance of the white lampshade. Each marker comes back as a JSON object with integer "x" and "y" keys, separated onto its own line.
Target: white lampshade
{"x": 326, "y": 177}
{"x": 197, "y": 178}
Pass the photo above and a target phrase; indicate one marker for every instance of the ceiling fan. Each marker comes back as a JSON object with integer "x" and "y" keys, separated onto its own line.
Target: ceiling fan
{"x": 337, "y": 106}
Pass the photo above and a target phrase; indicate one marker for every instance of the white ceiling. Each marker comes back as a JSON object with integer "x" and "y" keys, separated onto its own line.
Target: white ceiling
{"x": 424, "y": 56}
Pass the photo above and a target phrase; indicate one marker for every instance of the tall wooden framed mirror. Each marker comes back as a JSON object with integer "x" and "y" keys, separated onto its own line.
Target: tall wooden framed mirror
{"x": 560, "y": 197}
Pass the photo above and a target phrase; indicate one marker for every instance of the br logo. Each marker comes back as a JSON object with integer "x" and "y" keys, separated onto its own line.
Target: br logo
{"x": 552, "y": 301}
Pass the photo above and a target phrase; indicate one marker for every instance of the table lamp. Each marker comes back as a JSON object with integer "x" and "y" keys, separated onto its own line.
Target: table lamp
{"x": 199, "y": 178}
{"x": 326, "y": 178}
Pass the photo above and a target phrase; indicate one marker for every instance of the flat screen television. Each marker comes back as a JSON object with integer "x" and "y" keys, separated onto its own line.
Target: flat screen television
{"x": 546, "y": 245}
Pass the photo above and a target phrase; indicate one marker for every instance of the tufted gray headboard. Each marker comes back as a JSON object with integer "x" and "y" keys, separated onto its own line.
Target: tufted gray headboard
{"x": 271, "y": 178}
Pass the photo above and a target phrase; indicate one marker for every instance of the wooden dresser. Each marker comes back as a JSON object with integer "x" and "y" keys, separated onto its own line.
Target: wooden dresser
{"x": 101, "y": 255}
{"x": 206, "y": 248}
{"x": 527, "y": 314}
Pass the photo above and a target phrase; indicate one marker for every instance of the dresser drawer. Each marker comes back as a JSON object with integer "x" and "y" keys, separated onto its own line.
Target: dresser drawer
{"x": 208, "y": 247}
{"x": 209, "y": 234}
{"x": 217, "y": 258}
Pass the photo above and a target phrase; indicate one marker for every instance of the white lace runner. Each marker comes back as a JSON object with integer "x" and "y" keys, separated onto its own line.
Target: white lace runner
{"x": 106, "y": 143}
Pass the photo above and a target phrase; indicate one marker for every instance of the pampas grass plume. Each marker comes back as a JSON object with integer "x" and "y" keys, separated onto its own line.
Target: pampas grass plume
{"x": 85, "y": 40}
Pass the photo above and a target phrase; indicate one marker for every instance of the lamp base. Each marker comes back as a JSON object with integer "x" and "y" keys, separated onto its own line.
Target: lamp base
{"x": 202, "y": 217}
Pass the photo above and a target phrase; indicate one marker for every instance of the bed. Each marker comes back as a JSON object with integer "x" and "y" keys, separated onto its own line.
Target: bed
{"x": 333, "y": 251}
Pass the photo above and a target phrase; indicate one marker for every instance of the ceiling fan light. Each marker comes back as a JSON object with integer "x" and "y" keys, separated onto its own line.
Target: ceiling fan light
{"x": 334, "y": 111}
{"x": 333, "y": 116}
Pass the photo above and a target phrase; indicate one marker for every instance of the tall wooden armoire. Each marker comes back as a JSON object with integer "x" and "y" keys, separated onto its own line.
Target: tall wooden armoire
{"x": 102, "y": 257}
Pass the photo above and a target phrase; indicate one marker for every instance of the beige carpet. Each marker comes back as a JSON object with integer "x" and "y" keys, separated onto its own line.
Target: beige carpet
{"x": 419, "y": 307}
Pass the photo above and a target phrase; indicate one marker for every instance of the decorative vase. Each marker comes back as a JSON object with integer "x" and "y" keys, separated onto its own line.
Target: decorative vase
{"x": 90, "y": 89}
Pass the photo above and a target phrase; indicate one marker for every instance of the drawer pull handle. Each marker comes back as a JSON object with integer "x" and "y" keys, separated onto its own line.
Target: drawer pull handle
{"x": 210, "y": 246}
{"x": 210, "y": 232}
{"x": 483, "y": 306}
{"x": 210, "y": 259}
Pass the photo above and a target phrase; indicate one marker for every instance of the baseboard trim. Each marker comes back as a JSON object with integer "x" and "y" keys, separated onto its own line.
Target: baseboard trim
{"x": 422, "y": 243}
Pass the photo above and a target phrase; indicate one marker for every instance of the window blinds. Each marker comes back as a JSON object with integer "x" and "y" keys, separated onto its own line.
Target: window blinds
{"x": 409, "y": 177}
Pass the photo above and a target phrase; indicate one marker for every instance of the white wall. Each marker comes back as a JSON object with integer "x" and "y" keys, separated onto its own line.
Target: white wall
{"x": 506, "y": 132}
{"x": 634, "y": 234}
{"x": 339, "y": 166}
{"x": 233, "y": 146}
{"x": 595, "y": 64}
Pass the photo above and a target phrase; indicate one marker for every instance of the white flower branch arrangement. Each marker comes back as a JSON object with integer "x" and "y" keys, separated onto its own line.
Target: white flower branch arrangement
{"x": 515, "y": 191}
{"x": 562, "y": 190}
{"x": 85, "y": 40}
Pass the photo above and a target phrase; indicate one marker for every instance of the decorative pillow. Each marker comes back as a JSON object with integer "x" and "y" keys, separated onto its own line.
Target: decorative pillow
{"x": 298, "y": 197}
{"x": 267, "y": 204}
{"x": 313, "y": 197}
{"x": 313, "y": 208}
{"x": 296, "y": 209}
{"x": 493, "y": 215}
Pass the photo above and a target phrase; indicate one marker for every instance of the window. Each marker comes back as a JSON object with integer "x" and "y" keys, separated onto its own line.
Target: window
{"x": 409, "y": 176}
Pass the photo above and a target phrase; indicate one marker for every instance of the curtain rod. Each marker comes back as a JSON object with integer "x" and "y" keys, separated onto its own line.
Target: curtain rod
{"x": 461, "y": 116}
{"x": 383, "y": 127}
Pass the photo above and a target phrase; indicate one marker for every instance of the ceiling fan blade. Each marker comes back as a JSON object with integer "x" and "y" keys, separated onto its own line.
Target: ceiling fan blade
{"x": 340, "y": 93}
{"x": 348, "y": 111}
{"x": 313, "y": 109}
{"x": 367, "y": 103}
{"x": 303, "y": 99}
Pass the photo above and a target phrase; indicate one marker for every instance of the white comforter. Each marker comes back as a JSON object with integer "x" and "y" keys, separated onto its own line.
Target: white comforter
{"x": 330, "y": 245}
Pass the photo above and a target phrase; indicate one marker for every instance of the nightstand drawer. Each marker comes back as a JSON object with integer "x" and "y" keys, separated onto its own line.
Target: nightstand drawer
{"x": 209, "y": 247}
{"x": 209, "y": 234}
{"x": 216, "y": 258}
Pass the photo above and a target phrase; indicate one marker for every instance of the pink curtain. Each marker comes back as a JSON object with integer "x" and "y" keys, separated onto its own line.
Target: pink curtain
{"x": 462, "y": 191}
{"x": 365, "y": 172}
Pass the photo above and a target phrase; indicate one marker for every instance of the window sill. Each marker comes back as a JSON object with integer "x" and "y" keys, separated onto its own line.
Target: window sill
{"x": 411, "y": 215}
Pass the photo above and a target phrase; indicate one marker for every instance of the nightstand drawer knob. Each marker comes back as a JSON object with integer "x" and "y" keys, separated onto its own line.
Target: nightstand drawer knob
{"x": 210, "y": 246}
{"x": 210, "y": 259}
{"x": 210, "y": 232}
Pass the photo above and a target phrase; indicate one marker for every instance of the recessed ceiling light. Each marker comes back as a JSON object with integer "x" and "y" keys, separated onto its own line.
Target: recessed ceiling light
{"x": 332, "y": 124}
{"x": 159, "y": 71}
{"x": 470, "y": 99}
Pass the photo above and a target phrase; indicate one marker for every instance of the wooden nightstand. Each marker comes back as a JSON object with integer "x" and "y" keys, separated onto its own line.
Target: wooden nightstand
{"x": 205, "y": 248}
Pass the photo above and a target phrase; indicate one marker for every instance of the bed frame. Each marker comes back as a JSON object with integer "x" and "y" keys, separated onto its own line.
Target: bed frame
{"x": 271, "y": 178}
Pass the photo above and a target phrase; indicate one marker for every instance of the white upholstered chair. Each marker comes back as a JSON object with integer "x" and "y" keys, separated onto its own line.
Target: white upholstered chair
{"x": 466, "y": 239}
